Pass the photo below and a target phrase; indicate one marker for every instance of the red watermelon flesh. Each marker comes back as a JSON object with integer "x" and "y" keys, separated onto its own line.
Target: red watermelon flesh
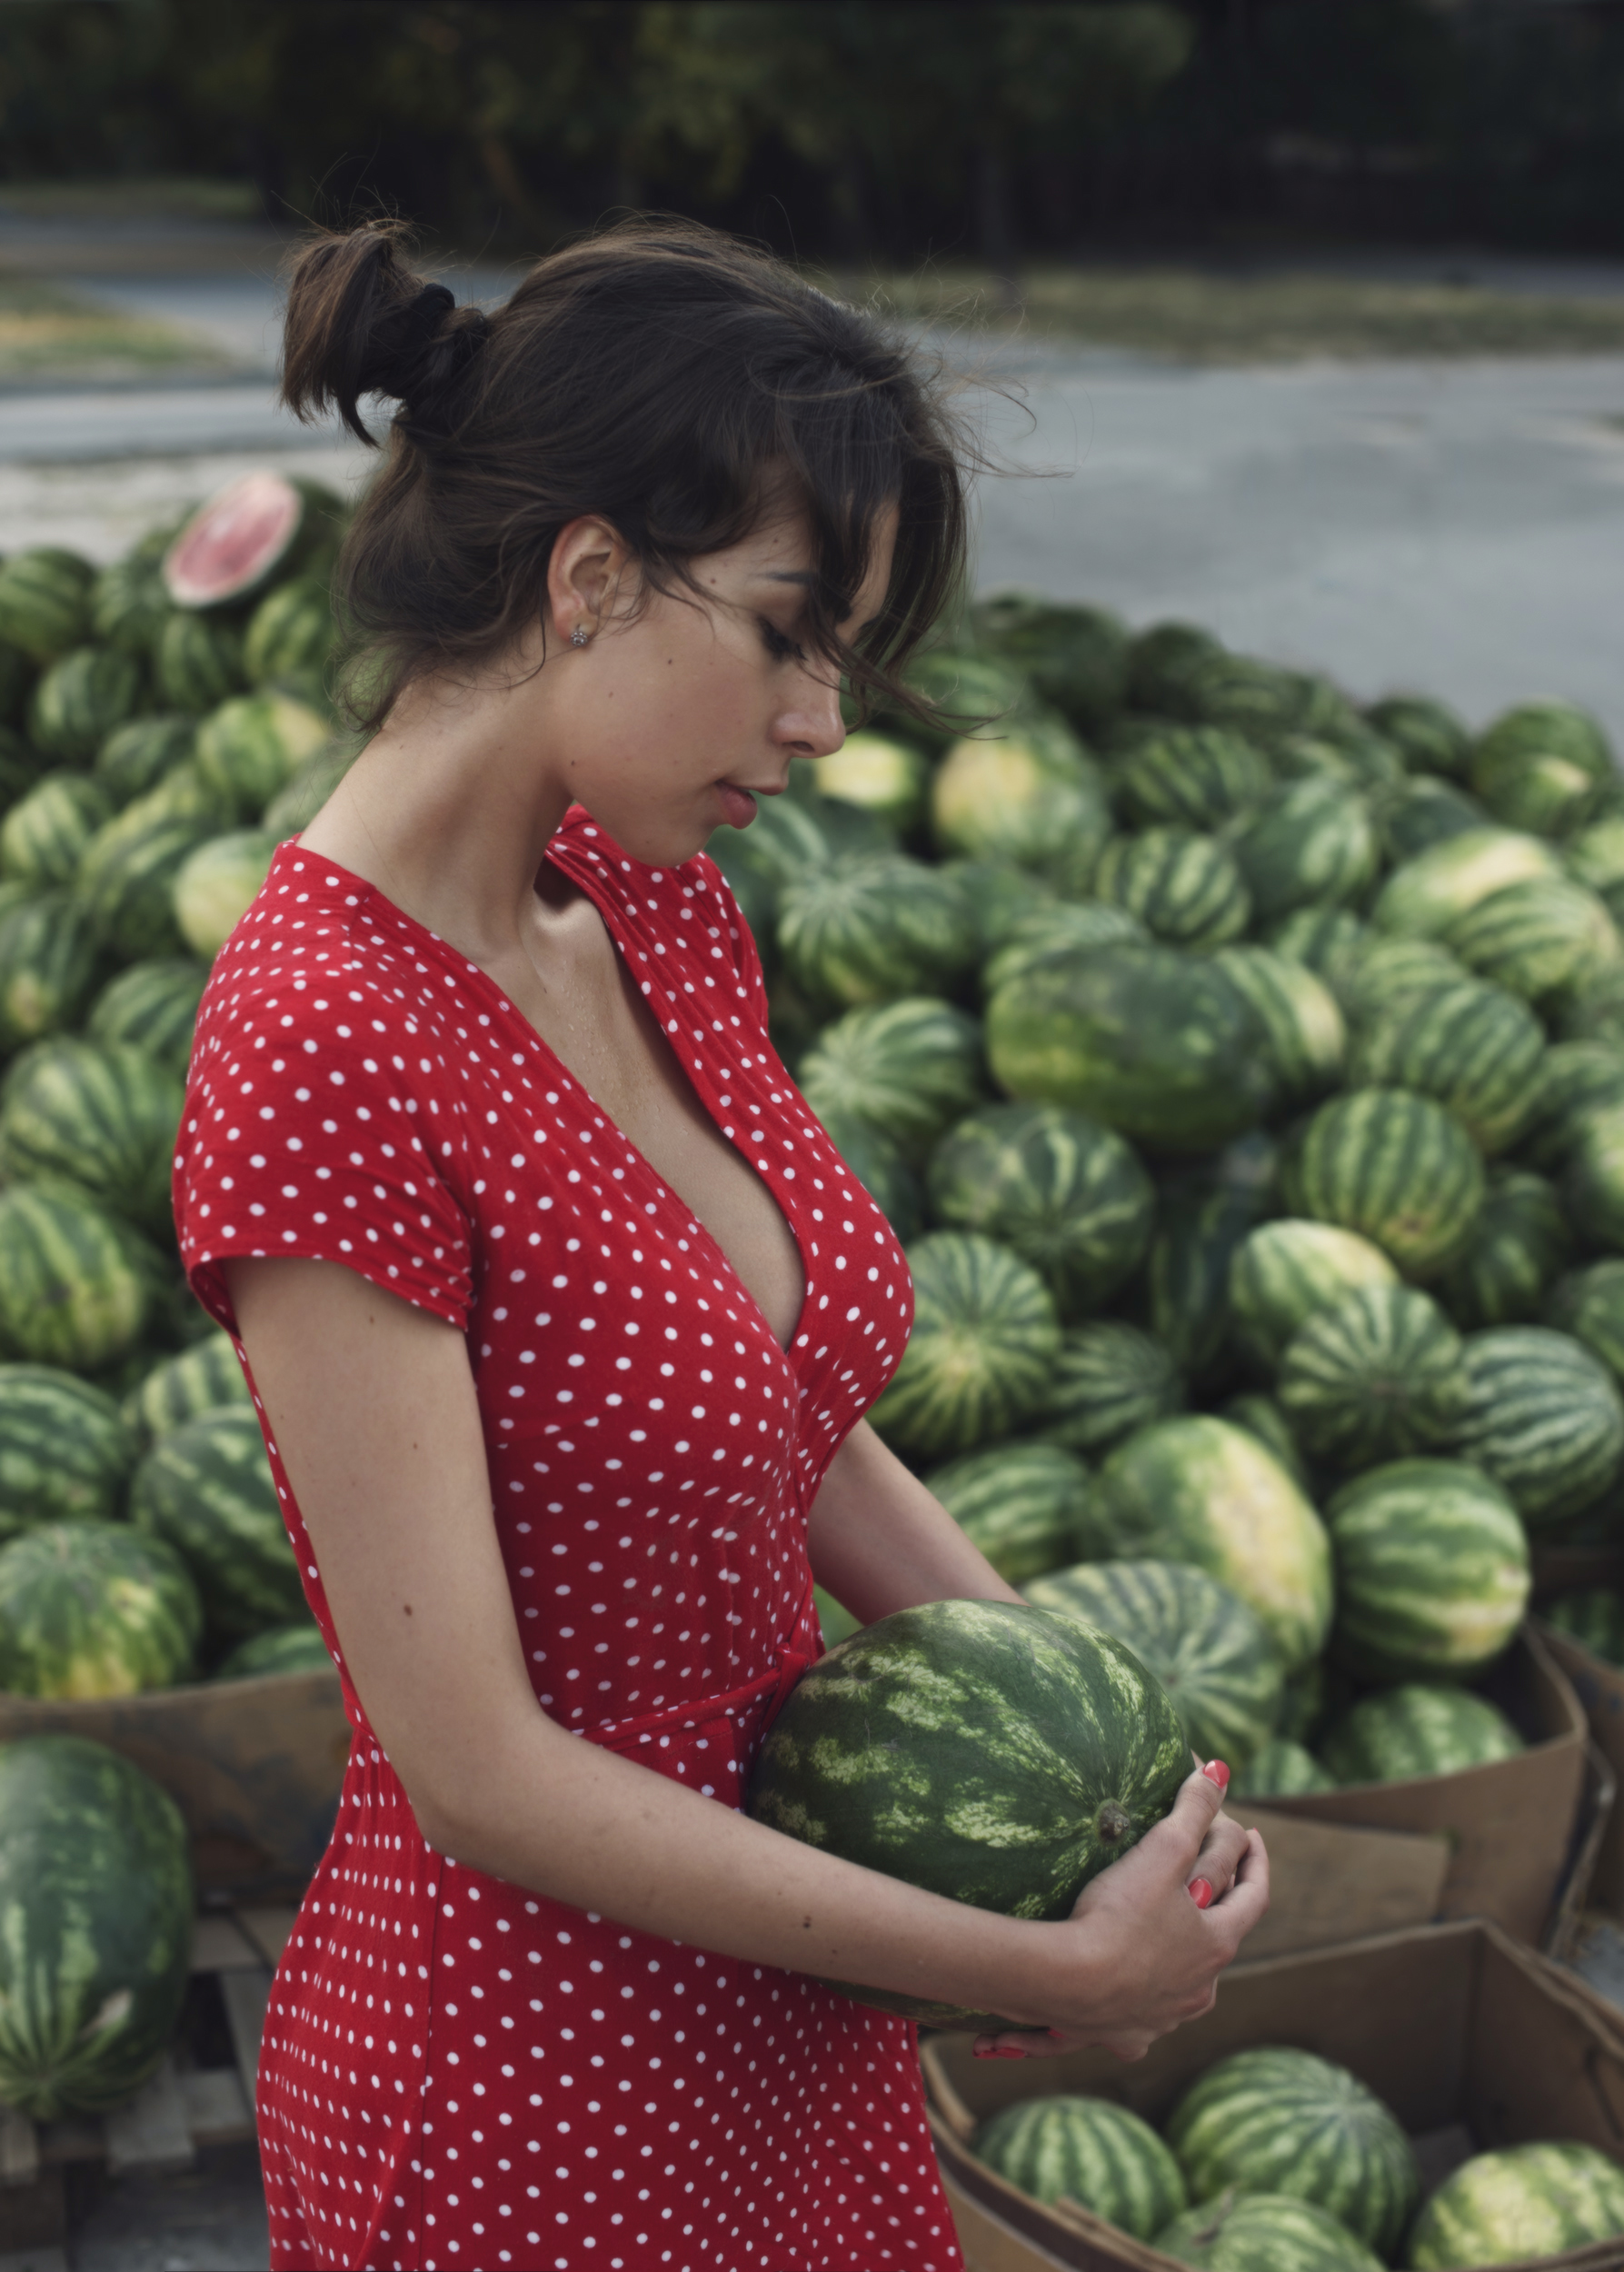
{"x": 235, "y": 542}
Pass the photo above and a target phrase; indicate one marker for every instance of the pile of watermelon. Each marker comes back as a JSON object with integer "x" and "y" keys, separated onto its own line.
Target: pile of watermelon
{"x": 1243, "y": 1073}
{"x": 1276, "y": 2158}
{"x": 162, "y": 723}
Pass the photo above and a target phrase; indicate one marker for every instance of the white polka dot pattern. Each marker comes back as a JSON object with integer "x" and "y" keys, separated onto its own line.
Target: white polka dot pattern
{"x": 455, "y": 2072}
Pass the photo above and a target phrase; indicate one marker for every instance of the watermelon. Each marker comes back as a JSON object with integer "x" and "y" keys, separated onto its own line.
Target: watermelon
{"x": 1262, "y": 1417}
{"x": 1273, "y": 2119}
{"x": 49, "y": 965}
{"x": 100, "y": 1115}
{"x": 1311, "y": 843}
{"x": 1429, "y": 736}
{"x": 65, "y": 1449}
{"x": 1421, "y": 1728}
{"x": 1519, "y": 1243}
{"x": 1282, "y": 1272}
{"x": 1109, "y": 1379}
{"x": 1056, "y": 931}
{"x": 1192, "y": 777}
{"x": 983, "y": 1350}
{"x": 1297, "y": 1009}
{"x": 1574, "y": 1077}
{"x": 284, "y": 1649}
{"x": 1377, "y": 1375}
{"x": 878, "y": 1164}
{"x": 1538, "y": 2200}
{"x": 882, "y": 776}
{"x": 1187, "y": 1276}
{"x": 1185, "y": 888}
{"x": 45, "y": 835}
{"x": 152, "y": 1007}
{"x": 290, "y": 632}
{"x": 998, "y": 896}
{"x": 217, "y": 884}
{"x": 1264, "y": 2232}
{"x": 201, "y": 1379}
{"x": 125, "y": 875}
{"x": 1596, "y": 855}
{"x": 1476, "y": 1049}
{"x": 1309, "y": 757}
{"x": 1397, "y": 1168}
{"x": 1018, "y": 1503}
{"x": 129, "y": 606}
{"x": 1386, "y": 976}
{"x": 254, "y": 532}
{"x": 1076, "y": 657}
{"x": 80, "y": 700}
{"x": 1426, "y": 897}
{"x": 1087, "y": 2150}
{"x": 292, "y": 809}
{"x": 1065, "y": 1193}
{"x": 1282, "y": 1769}
{"x": 1195, "y": 1489}
{"x": 910, "y": 1068}
{"x": 1210, "y": 1651}
{"x": 1031, "y": 796}
{"x": 1330, "y": 939}
{"x": 1414, "y": 815}
{"x": 1544, "y": 1417}
{"x": 16, "y": 679}
{"x": 197, "y": 663}
{"x": 872, "y": 929}
{"x": 70, "y": 1293}
{"x": 1541, "y": 939}
{"x": 1249, "y": 695}
{"x": 45, "y": 601}
{"x": 1593, "y": 1616}
{"x": 1157, "y": 1045}
{"x": 95, "y": 1925}
{"x": 1164, "y": 662}
{"x": 206, "y": 1487}
{"x": 252, "y": 747}
{"x": 970, "y": 693}
{"x": 837, "y": 1623}
{"x": 1539, "y": 767}
{"x": 1589, "y": 1305}
{"x": 1433, "y": 1572}
{"x": 91, "y": 1609}
{"x": 1036, "y": 1749}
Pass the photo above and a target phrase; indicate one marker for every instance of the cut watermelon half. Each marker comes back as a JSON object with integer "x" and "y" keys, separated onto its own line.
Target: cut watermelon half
{"x": 254, "y": 530}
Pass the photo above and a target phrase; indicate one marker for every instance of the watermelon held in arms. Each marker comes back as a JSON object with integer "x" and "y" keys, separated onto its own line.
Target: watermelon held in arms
{"x": 95, "y": 1925}
{"x": 1037, "y": 1750}
{"x": 254, "y": 531}
{"x": 93, "y": 1609}
{"x": 1540, "y": 2200}
{"x": 1088, "y": 2150}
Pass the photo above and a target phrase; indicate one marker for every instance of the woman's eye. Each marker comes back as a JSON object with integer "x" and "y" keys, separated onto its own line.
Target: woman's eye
{"x": 779, "y": 645}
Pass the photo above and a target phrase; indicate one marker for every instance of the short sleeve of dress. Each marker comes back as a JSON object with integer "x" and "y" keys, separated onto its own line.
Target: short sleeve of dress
{"x": 319, "y": 1123}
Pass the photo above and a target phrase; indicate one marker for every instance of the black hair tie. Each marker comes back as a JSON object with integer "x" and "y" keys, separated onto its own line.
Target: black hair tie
{"x": 430, "y": 360}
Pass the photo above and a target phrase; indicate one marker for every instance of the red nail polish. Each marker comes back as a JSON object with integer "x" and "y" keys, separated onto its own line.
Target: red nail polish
{"x": 988, "y": 2054}
{"x": 1216, "y": 1772}
{"x": 1009, "y": 2052}
{"x": 1201, "y": 1893}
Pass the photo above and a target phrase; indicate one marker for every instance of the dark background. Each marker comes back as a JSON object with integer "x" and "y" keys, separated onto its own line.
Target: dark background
{"x": 840, "y": 129}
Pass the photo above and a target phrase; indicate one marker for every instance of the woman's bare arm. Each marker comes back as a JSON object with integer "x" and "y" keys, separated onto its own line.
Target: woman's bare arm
{"x": 373, "y": 1409}
{"x": 880, "y": 1541}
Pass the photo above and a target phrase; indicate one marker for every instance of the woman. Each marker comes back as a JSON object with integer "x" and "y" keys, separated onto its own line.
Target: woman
{"x": 562, "y": 1314}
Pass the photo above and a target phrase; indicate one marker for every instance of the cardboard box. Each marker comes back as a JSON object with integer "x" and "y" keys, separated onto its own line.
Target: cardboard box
{"x": 1473, "y": 2041}
{"x": 254, "y": 1766}
{"x": 1512, "y": 1825}
{"x": 1600, "y": 1687}
{"x": 1329, "y": 1882}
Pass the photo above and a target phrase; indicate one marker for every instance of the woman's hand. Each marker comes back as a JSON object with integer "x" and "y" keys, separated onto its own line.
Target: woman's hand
{"x": 1144, "y": 1946}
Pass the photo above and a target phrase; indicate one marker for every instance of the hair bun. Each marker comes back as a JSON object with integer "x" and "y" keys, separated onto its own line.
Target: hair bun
{"x": 360, "y": 322}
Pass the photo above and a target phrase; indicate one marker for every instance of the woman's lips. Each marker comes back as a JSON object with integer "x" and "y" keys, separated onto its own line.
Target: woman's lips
{"x": 738, "y": 805}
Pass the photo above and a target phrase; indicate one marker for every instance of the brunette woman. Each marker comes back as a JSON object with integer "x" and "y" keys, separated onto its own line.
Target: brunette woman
{"x": 562, "y": 1314}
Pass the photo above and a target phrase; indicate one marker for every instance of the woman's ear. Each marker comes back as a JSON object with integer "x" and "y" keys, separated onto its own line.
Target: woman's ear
{"x": 586, "y": 576}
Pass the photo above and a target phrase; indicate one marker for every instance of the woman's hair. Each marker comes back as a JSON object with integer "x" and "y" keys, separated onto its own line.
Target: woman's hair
{"x": 670, "y": 379}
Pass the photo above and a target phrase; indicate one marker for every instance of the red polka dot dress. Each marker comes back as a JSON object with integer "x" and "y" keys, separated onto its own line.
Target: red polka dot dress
{"x": 456, "y": 2072}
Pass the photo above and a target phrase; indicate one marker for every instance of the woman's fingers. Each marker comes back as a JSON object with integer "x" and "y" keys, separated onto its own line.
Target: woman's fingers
{"x": 1220, "y": 1857}
{"x": 1048, "y": 2043}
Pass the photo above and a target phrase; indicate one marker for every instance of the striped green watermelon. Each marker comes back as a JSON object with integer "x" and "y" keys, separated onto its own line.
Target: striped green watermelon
{"x": 1282, "y": 1272}
{"x": 1589, "y": 1304}
{"x": 1429, "y": 736}
{"x": 79, "y": 702}
{"x": 1195, "y": 1489}
{"x": 1593, "y": 1616}
{"x": 911, "y": 1068}
{"x": 1433, "y": 1572}
{"x": 1397, "y": 1168}
{"x": 1191, "y": 777}
{"x": 1164, "y": 663}
{"x": 1311, "y": 843}
{"x": 1539, "y": 767}
{"x": 1596, "y": 855}
{"x": 284, "y": 1649}
{"x": 1307, "y": 1037}
{"x": 201, "y": 1379}
{"x": 44, "y": 601}
{"x": 1426, "y": 897}
{"x": 1109, "y": 1379}
{"x": 1031, "y": 796}
{"x": 1264, "y": 2232}
{"x": 1417, "y": 814}
{"x": 1377, "y": 1375}
{"x": 1282, "y": 1769}
{"x": 1187, "y": 1276}
{"x": 1386, "y": 976}
{"x": 1575, "y": 1077}
{"x": 1421, "y": 1728}
{"x": 1474, "y": 1048}
{"x": 65, "y": 1450}
{"x": 16, "y": 680}
{"x": 1272, "y": 2119}
{"x": 95, "y": 1925}
{"x": 1539, "y": 2201}
{"x": 197, "y": 663}
{"x": 970, "y": 692}
{"x": 1210, "y": 1651}
{"x": 877, "y": 1162}
{"x": 1185, "y": 888}
{"x": 1328, "y": 938}
{"x": 1313, "y": 1692}
{"x": 1544, "y": 937}
{"x": 20, "y": 764}
{"x": 49, "y": 965}
{"x": 99, "y": 1115}
{"x": 1057, "y": 931}
{"x": 999, "y": 897}
{"x": 1036, "y": 1749}
{"x": 1018, "y": 1502}
{"x": 216, "y": 884}
{"x": 44, "y": 836}
{"x": 252, "y": 746}
{"x": 1521, "y": 1241}
{"x": 1544, "y": 1417}
{"x": 1160, "y": 1046}
{"x": 882, "y": 776}
{"x": 206, "y": 1487}
{"x": 128, "y": 605}
{"x": 1262, "y": 1417}
{"x": 91, "y": 1609}
{"x": 871, "y": 929}
{"x": 1087, "y": 2150}
{"x": 290, "y": 632}
{"x": 1252, "y": 696}
{"x": 128, "y": 867}
{"x": 1307, "y": 757}
{"x": 981, "y": 1353}
{"x": 70, "y": 1293}
{"x": 1065, "y": 1193}
{"x": 292, "y": 809}
{"x": 152, "y": 1007}
{"x": 1075, "y": 656}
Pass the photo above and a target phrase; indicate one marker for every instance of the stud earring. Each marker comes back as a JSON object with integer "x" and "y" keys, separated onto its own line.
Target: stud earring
{"x": 580, "y": 636}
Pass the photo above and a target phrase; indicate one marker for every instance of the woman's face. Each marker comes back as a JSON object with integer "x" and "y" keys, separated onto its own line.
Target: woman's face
{"x": 677, "y": 716}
